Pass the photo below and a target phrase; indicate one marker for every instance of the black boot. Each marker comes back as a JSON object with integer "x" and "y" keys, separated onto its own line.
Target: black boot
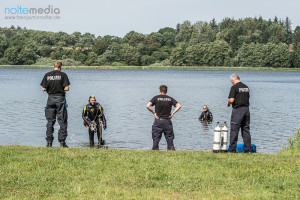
{"x": 49, "y": 144}
{"x": 63, "y": 144}
{"x": 102, "y": 145}
{"x": 92, "y": 143}
{"x": 172, "y": 148}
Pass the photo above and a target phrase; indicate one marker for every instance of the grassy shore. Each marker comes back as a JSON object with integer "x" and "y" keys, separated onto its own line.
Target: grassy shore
{"x": 76, "y": 173}
{"x": 158, "y": 68}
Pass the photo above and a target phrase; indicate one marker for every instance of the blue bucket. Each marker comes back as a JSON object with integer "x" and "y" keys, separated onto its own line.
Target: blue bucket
{"x": 241, "y": 147}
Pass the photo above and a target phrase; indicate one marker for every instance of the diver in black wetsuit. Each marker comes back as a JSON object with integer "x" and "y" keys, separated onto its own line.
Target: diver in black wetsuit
{"x": 93, "y": 116}
{"x": 206, "y": 115}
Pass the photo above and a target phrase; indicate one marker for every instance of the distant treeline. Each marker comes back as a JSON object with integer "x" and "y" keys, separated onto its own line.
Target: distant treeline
{"x": 244, "y": 42}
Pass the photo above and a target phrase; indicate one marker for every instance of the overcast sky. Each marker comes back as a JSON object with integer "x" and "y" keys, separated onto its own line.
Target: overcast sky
{"x": 118, "y": 17}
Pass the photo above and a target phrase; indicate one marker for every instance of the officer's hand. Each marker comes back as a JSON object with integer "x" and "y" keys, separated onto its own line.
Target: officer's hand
{"x": 227, "y": 104}
{"x": 170, "y": 117}
{"x": 155, "y": 116}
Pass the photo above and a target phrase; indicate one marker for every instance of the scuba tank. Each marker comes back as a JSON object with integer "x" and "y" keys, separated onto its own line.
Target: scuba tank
{"x": 224, "y": 138}
{"x": 217, "y": 139}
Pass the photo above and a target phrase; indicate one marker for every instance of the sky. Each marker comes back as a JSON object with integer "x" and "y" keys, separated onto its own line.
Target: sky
{"x": 118, "y": 17}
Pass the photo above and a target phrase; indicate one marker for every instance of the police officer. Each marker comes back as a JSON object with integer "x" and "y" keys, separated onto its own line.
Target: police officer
{"x": 56, "y": 83}
{"x": 206, "y": 115}
{"x": 162, "y": 123}
{"x": 92, "y": 114}
{"x": 240, "y": 118}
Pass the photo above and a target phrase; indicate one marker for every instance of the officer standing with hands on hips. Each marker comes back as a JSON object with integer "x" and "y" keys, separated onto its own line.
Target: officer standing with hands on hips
{"x": 162, "y": 122}
{"x": 240, "y": 118}
{"x": 56, "y": 83}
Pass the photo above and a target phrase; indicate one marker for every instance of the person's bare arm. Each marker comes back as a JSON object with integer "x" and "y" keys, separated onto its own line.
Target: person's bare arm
{"x": 151, "y": 110}
{"x": 230, "y": 101}
{"x": 44, "y": 89}
{"x": 177, "y": 107}
{"x": 66, "y": 88}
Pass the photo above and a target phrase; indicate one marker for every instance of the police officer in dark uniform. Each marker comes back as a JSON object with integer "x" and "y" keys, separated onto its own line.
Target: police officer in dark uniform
{"x": 240, "y": 118}
{"x": 162, "y": 123}
{"x": 92, "y": 114}
{"x": 206, "y": 115}
{"x": 56, "y": 83}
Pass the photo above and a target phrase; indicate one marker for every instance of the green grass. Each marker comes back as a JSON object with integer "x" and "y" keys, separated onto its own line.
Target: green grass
{"x": 158, "y": 68}
{"x": 294, "y": 145}
{"x": 75, "y": 173}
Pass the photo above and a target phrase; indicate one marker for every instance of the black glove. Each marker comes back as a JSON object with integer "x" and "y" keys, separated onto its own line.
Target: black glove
{"x": 104, "y": 122}
{"x": 88, "y": 122}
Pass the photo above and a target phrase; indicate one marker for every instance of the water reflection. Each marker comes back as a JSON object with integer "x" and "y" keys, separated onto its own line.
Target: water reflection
{"x": 206, "y": 127}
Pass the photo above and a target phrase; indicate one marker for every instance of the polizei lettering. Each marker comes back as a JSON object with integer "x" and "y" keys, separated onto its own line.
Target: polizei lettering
{"x": 53, "y": 78}
{"x": 243, "y": 89}
{"x": 163, "y": 99}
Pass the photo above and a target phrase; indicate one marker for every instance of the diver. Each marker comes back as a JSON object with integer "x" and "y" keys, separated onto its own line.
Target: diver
{"x": 93, "y": 117}
{"x": 206, "y": 115}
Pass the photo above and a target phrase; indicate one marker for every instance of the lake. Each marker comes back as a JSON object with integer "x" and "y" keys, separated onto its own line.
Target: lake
{"x": 274, "y": 106}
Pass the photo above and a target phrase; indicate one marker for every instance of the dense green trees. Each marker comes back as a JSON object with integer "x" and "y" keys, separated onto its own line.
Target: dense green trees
{"x": 185, "y": 32}
{"x": 3, "y": 44}
{"x": 264, "y": 55}
{"x": 296, "y": 57}
{"x": 217, "y": 53}
{"x": 177, "y": 57}
{"x": 242, "y": 42}
{"x": 11, "y": 54}
{"x": 100, "y": 47}
{"x": 27, "y": 56}
{"x": 296, "y": 37}
{"x": 196, "y": 54}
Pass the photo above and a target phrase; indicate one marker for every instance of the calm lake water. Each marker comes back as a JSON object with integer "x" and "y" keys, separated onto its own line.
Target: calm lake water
{"x": 275, "y": 113}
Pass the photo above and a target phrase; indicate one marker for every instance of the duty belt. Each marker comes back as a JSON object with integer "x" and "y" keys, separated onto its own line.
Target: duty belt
{"x": 163, "y": 118}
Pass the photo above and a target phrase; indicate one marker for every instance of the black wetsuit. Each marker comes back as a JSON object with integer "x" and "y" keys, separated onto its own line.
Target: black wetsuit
{"x": 94, "y": 113}
{"x": 206, "y": 116}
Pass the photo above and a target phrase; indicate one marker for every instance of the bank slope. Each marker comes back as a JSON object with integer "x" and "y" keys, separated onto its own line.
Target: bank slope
{"x": 56, "y": 173}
